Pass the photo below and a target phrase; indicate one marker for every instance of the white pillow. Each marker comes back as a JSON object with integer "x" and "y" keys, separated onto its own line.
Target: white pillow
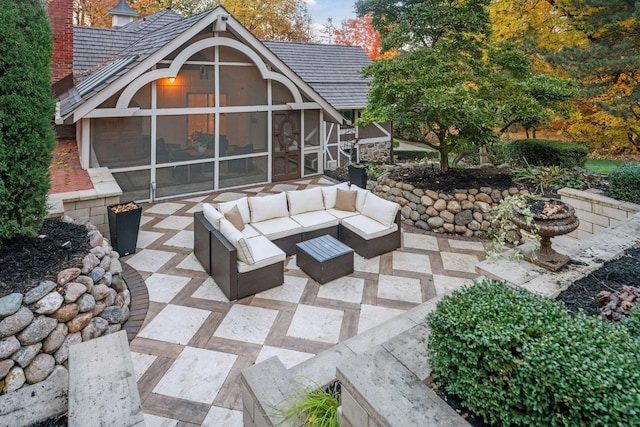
{"x": 234, "y": 236}
{"x": 212, "y": 215}
{"x": 243, "y": 207}
{"x": 362, "y": 195}
{"x": 302, "y": 201}
{"x": 268, "y": 207}
{"x": 329, "y": 194}
{"x": 383, "y": 211}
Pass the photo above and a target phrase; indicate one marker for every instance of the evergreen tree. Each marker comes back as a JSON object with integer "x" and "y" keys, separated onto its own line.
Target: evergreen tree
{"x": 26, "y": 109}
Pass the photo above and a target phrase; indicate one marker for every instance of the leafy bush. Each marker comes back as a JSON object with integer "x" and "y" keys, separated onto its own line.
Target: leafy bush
{"x": 317, "y": 408}
{"x": 554, "y": 178}
{"x": 624, "y": 182}
{"x": 544, "y": 152}
{"x": 516, "y": 358}
{"x": 26, "y": 110}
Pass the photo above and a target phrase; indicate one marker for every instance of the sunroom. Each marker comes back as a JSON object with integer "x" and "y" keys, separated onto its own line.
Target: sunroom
{"x": 196, "y": 106}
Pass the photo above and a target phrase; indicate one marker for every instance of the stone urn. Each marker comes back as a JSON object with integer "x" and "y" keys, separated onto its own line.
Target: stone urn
{"x": 551, "y": 218}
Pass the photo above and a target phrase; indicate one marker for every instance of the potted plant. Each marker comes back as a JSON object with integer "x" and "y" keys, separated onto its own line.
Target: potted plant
{"x": 358, "y": 174}
{"x": 201, "y": 141}
{"x": 124, "y": 223}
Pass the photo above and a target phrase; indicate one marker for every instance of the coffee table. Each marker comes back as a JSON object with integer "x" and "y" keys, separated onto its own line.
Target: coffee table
{"x": 324, "y": 258}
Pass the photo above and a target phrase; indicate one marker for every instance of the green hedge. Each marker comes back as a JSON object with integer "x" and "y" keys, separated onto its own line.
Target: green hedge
{"x": 515, "y": 358}
{"x": 624, "y": 182}
{"x": 416, "y": 155}
{"x": 544, "y": 152}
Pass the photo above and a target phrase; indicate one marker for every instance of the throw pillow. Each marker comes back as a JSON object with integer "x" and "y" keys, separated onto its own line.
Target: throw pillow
{"x": 234, "y": 216}
{"x": 243, "y": 206}
{"x": 212, "y": 215}
{"x": 345, "y": 200}
{"x": 234, "y": 237}
{"x": 329, "y": 194}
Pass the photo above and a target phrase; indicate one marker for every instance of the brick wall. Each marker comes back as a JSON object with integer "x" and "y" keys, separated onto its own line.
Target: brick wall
{"x": 61, "y": 18}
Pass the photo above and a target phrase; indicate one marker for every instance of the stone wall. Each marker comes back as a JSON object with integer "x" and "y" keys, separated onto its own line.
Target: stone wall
{"x": 375, "y": 152}
{"x": 596, "y": 211}
{"x": 466, "y": 212}
{"x": 37, "y": 328}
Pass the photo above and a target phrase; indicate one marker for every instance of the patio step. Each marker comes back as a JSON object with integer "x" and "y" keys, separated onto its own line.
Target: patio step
{"x": 102, "y": 383}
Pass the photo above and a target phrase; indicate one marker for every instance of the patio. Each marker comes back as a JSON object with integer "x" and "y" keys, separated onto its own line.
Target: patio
{"x": 193, "y": 344}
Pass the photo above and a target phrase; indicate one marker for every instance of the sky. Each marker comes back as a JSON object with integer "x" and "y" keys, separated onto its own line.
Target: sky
{"x": 338, "y": 10}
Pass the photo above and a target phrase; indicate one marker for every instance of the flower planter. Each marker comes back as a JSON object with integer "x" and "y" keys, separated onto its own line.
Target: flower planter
{"x": 551, "y": 218}
{"x": 124, "y": 223}
{"x": 358, "y": 175}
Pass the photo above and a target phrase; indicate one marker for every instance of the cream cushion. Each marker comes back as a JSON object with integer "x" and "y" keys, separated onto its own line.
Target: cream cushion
{"x": 360, "y": 198}
{"x": 249, "y": 232}
{"x": 212, "y": 215}
{"x": 329, "y": 194}
{"x": 243, "y": 207}
{"x": 383, "y": 211}
{"x": 302, "y": 201}
{"x": 367, "y": 228}
{"x": 268, "y": 207}
{"x": 234, "y": 236}
{"x": 341, "y": 214}
{"x": 266, "y": 253}
{"x": 277, "y": 228}
{"x": 311, "y": 221}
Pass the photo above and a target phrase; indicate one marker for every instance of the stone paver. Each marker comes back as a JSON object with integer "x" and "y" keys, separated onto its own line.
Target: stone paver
{"x": 194, "y": 342}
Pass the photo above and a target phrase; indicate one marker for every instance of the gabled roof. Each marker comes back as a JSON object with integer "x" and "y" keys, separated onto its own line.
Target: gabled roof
{"x": 332, "y": 70}
{"x": 102, "y": 56}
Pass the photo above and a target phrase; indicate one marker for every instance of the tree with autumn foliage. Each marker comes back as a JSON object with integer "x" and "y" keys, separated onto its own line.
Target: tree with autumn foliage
{"x": 449, "y": 86}
{"x": 359, "y": 32}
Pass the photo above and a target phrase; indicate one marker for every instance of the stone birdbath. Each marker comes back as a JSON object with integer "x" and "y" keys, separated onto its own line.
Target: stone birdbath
{"x": 548, "y": 218}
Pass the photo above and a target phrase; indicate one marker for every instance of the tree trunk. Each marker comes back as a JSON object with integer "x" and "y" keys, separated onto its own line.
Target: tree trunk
{"x": 444, "y": 160}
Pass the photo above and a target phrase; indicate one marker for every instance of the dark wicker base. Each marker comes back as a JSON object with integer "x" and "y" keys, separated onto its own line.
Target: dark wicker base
{"x": 373, "y": 247}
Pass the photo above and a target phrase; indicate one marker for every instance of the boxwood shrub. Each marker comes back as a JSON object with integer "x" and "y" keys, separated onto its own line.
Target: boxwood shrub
{"x": 545, "y": 152}
{"x": 624, "y": 182}
{"x": 516, "y": 358}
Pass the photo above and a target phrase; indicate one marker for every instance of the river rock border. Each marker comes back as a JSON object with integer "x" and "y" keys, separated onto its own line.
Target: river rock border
{"x": 465, "y": 212}
{"x": 37, "y": 328}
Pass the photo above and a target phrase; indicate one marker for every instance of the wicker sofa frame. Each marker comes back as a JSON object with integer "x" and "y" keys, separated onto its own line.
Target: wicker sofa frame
{"x": 219, "y": 257}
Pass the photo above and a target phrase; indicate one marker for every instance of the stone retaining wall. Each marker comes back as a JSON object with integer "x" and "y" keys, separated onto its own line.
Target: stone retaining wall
{"x": 466, "y": 212}
{"x": 596, "y": 211}
{"x": 375, "y": 152}
{"x": 37, "y": 328}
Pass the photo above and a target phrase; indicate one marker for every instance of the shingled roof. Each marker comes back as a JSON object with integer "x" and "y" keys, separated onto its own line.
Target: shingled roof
{"x": 331, "y": 70}
{"x": 101, "y": 55}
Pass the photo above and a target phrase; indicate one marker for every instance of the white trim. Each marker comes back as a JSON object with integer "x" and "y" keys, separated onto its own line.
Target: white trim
{"x": 188, "y": 52}
{"x": 113, "y": 112}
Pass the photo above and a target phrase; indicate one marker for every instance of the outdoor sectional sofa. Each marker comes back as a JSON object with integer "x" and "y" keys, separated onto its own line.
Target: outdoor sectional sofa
{"x": 248, "y": 257}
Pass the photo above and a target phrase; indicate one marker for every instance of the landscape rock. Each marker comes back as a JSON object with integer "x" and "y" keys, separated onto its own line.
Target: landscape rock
{"x": 110, "y": 299}
{"x": 49, "y": 304}
{"x": 40, "y": 368}
{"x": 14, "y": 380}
{"x": 112, "y": 314}
{"x": 96, "y": 328}
{"x": 99, "y": 308}
{"x": 115, "y": 267}
{"x": 62, "y": 354}
{"x": 89, "y": 262}
{"x": 39, "y": 291}
{"x": 86, "y": 303}
{"x": 105, "y": 263}
{"x": 79, "y": 322}
{"x": 66, "y": 313}
{"x": 447, "y": 216}
{"x": 117, "y": 283}
{"x": 10, "y": 304}
{"x": 5, "y": 366}
{"x": 8, "y": 346}
{"x": 86, "y": 281}
{"x": 454, "y": 206}
{"x": 423, "y": 225}
{"x": 440, "y": 205}
{"x": 25, "y": 355}
{"x": 15, "y": 323}
{"x": 37, "y": 330}
{"x": 96, "y": 274}
{"x": 73, "y": 291}
{"x": 100, "y": 292}
{"x": 68, "y": 275}
{"x": 435, "y": 222}
{"x": 55, "y": 338}
{"x": 463, "y": 218}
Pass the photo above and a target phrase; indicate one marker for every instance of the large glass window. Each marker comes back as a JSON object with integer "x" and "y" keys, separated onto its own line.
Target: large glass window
{"x": 311, "y": 128}
{"x": 191, "y": 79}
{"x": 243, "y": 133}
{"x": 184, "y": 138}
{"x": 237, "y": 172}
{"x": 242, "y": 85}
{"x": 135, "y": 185}
{"x": 176, "y": 180}
{"x": 119, "y": 142}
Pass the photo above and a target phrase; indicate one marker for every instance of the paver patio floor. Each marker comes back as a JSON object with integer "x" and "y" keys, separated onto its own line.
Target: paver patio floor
{"x": 193, "y": 344}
